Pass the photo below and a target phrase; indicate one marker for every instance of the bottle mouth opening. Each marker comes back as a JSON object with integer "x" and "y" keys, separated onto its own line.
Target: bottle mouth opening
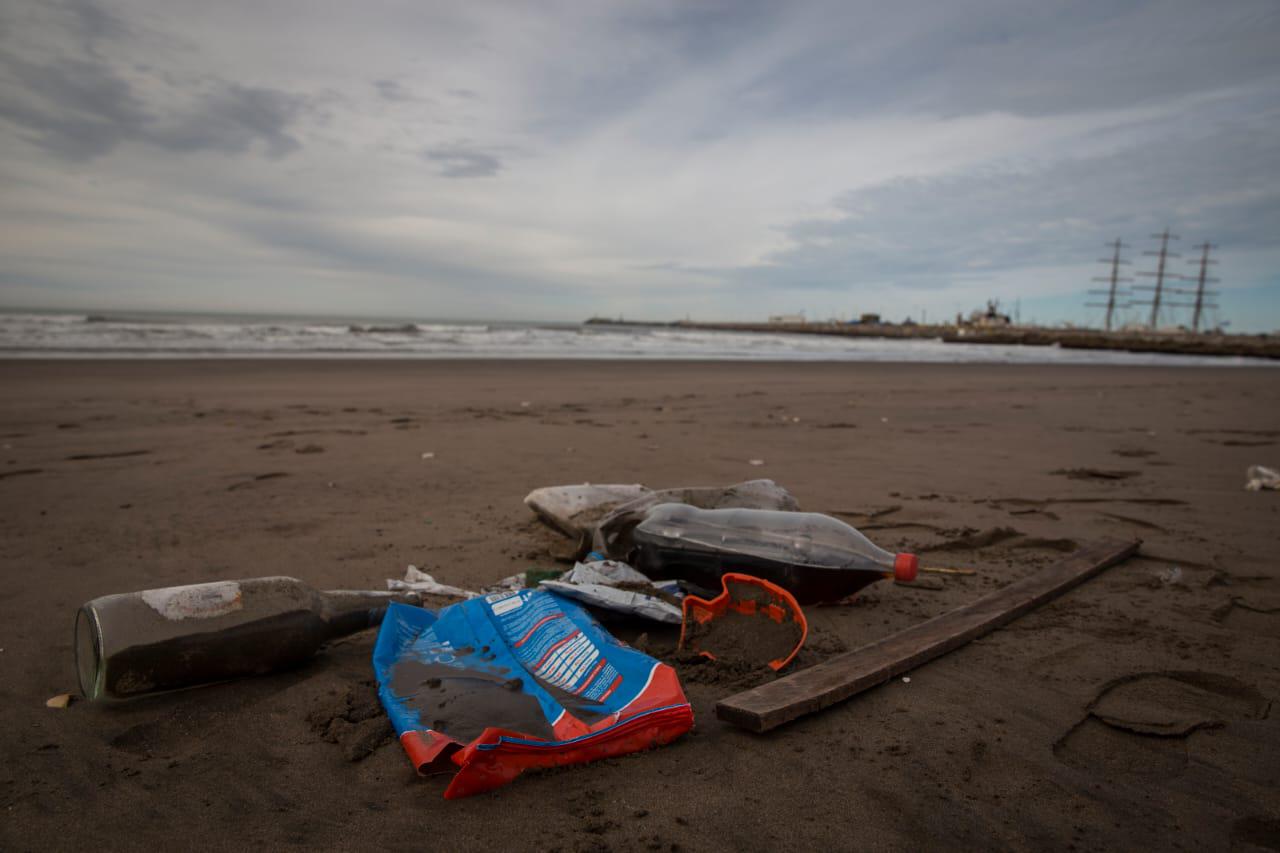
{"x": 89, "y": 653}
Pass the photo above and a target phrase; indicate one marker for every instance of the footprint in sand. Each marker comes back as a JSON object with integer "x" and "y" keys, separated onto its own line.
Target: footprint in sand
{"x": 976, "y": 539}
{"x": 1133, "y": 452}
{"x": 1065, "y": 545}
{"x": 1094, "y": 474}
{"x": 1137, "y": 522}
{"x": 1139, "y": 723}
{"x": 80, "y": 457}
{"x": 1255, "y": 613}
{"x": 273, "y": 475}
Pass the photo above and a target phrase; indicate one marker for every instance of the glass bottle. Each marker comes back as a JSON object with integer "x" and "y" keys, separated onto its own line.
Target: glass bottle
{"x": 157, "y": 640}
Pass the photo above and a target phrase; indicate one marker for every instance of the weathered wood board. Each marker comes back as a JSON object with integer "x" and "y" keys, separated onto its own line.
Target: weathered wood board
{"x": 834, "y": 680}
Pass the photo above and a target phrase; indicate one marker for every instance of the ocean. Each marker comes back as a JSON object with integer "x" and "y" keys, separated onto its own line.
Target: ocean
{"x": 147, "y": 335}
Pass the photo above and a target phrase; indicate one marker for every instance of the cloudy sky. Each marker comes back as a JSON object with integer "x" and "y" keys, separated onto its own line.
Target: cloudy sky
{"x": 653, "y": 159}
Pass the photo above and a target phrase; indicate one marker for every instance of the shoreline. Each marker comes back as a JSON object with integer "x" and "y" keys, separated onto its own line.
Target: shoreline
{"x": 1174, "y": 359}
{"x": 1263, "y": 346}
{"x": 196, "y": 337}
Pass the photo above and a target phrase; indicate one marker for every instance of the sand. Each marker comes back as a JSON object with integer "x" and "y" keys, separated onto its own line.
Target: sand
{"x": 1136, "y": 712}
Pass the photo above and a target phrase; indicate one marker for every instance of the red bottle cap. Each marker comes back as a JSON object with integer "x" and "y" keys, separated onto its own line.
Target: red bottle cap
{"x": 905, "y": 567}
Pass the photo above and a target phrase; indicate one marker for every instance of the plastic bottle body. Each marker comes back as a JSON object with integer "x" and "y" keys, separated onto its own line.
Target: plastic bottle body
{"x": 815, "y": 557}
{"x": 166, "y": 639}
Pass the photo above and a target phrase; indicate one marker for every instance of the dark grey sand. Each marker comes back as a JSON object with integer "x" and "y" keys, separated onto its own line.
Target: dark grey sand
{"x": 1136, "y": 712}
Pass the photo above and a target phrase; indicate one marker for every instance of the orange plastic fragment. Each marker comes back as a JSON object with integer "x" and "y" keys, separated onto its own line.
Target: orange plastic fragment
{"x": 750, "y": 596}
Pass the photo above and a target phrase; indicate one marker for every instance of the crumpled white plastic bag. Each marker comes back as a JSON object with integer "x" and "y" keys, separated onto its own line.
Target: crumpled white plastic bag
{"x": 595, "y": 584}
{"x": 1260, "y": 478}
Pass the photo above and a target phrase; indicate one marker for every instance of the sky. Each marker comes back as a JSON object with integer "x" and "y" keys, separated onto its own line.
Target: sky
{"x": 655, "y": 160}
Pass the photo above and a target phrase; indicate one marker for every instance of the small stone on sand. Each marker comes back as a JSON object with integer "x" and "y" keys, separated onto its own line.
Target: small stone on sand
{"x": 62, "y": 700}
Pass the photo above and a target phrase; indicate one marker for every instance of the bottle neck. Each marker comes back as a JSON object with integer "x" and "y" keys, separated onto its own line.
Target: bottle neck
{"x": 347, "y": 611}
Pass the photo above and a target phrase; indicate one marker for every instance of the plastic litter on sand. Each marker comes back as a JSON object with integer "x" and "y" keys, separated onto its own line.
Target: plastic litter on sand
{"x": 1259, "y": 477}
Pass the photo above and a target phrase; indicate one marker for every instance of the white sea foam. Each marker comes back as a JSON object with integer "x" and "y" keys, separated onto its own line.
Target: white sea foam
{"x": 202, "y": 336}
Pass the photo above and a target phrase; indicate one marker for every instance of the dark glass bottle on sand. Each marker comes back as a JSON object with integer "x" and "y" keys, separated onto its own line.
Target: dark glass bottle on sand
{"x": 166, "y": 639}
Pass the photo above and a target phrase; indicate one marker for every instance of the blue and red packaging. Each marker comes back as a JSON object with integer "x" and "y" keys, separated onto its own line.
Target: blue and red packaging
{"x": 493, "y": 686}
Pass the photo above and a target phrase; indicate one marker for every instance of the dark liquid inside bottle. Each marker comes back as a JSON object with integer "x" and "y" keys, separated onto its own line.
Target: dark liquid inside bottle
{"x": 814, "y": 557}
{"x": 159, "y": 640}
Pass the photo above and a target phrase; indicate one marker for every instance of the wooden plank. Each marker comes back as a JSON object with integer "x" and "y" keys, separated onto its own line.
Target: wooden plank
{"x": 836, "y": 679}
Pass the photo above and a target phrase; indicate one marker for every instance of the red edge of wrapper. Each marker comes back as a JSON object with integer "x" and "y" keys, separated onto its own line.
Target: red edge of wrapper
{"x": 498, "y": 756}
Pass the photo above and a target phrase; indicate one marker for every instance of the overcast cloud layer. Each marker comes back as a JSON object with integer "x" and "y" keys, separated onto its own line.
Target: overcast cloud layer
{"x": 556, "y": 160}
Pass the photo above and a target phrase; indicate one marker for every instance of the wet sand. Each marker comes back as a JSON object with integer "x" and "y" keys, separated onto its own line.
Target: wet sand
{"x": 1136, "y": 712}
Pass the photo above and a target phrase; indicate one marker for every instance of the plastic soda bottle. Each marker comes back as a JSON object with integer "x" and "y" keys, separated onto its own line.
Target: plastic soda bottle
{"x": 814, "y": 557}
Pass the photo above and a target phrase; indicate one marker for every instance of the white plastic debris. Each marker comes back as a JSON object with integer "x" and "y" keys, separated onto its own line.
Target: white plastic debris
{"x": 417, "y": 580}
{"x": 756, "y": 462}
{"x": 906, "y": 679}
{"x": 606, "y": 572}
{"x": 575, "y": 510}
{"x": 428, "y": 455}
{"x": 1260, "y": 477}
{"x": 596, "y": 583}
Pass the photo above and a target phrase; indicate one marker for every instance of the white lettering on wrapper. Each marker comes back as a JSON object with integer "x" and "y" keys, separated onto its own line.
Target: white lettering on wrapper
{"x": 504, "y": 602}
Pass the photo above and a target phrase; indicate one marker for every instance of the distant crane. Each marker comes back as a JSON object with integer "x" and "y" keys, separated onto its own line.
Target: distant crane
{"x": 1112, "y": 292}
{"x": 1164, "y": 254}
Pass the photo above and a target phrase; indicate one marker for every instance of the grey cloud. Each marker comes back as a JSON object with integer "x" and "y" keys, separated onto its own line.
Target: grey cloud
{"x": 678, "y": 267}
{"x": 82, "y": 108}
{"x": 462, "y": 161}
{"x": 1045, "y": 58}
{"x": 626, "y": 88}
{"x": 77, "y": 109}
{"x": 93, "y": 21}
{"x": 231, "y": 120}
{"x": 343, "y": 247}
{"x": 928, "y": 232}
{"x": 645, "y": 49}
{"x": 392, "y": 90}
